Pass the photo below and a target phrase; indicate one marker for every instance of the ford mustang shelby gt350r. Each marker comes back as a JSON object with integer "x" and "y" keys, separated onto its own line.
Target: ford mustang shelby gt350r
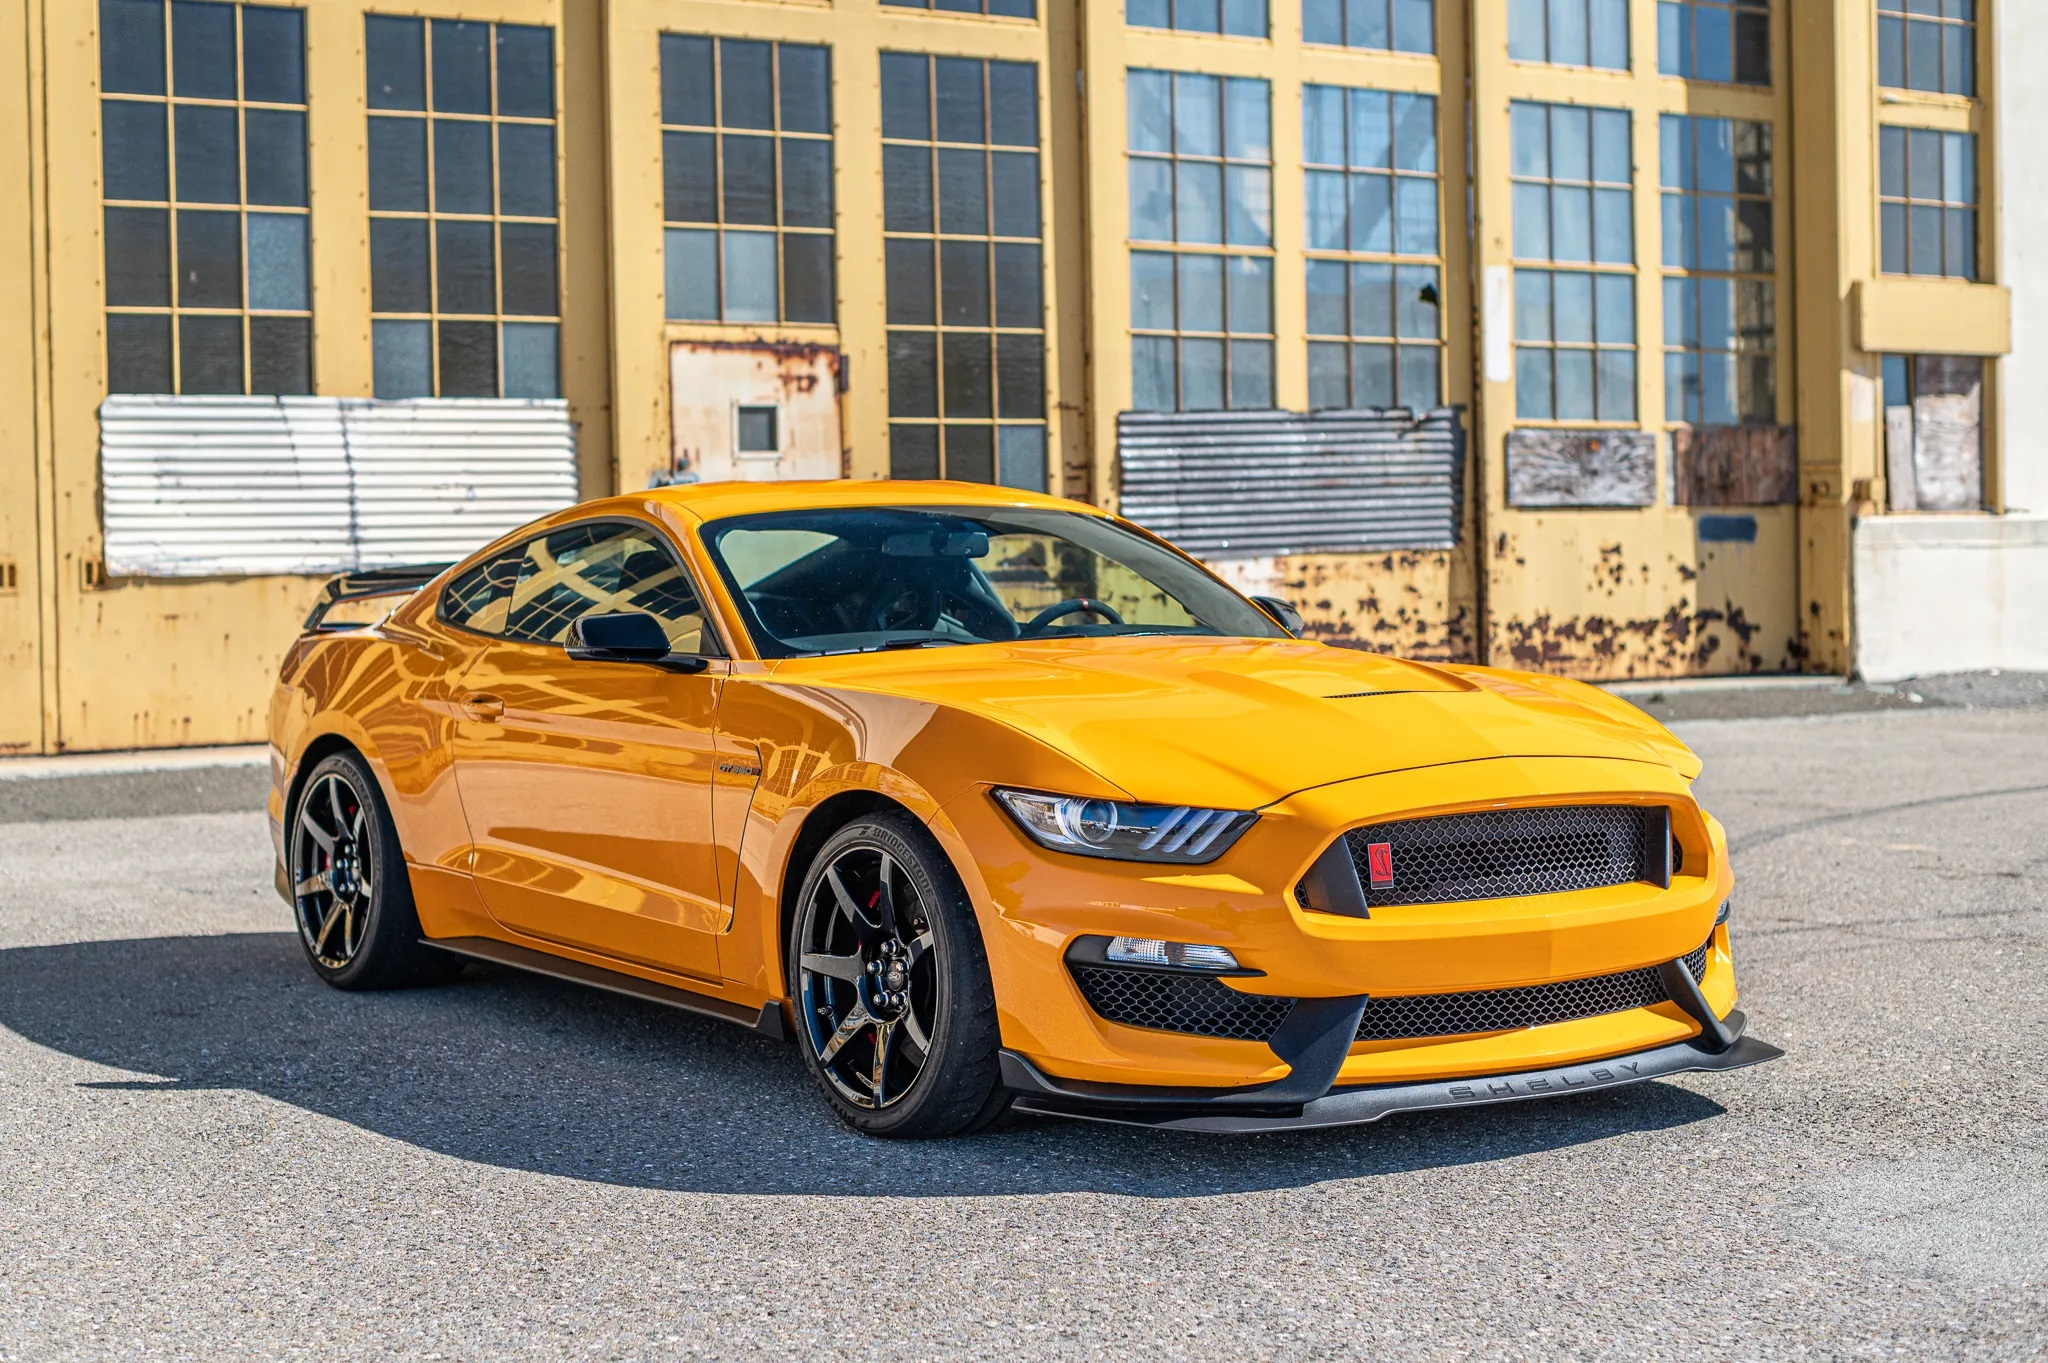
{"x": 992, "y": 799}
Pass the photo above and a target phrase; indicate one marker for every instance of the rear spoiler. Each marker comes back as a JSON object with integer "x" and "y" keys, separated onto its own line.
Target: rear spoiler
{"x": 395, "y": 581}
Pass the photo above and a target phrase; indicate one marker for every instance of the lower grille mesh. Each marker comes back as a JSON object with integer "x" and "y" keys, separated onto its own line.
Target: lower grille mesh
{"x": 1533, "y": 1005}
{"x": 1169, "y": 1001}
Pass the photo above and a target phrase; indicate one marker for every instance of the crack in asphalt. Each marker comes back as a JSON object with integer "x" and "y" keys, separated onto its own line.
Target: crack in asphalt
{"x": 1772, "y": 835}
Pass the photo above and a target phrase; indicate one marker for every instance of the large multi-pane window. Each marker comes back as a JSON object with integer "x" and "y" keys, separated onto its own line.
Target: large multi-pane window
{"x": 1239, "y": 18}
{"x": 1575, "y": 336}
{"x": 746, "y": 155}
{"x": 1569, "y": 32}
{"x": 964, "y": 269}
{"x": 1015, "y": 9}
{"x": 1720, "y": 308}
{"x": 203, "y": 173}
{"x": 464, "y": 292}
{"x": 1927, "y": 45}
{"x": 1201, "y": 173}
{"x": 1927, "y": 195}
{"x": 1388, "y": 25}
{"x": 1370, "y": 179}
{"x": 1724, "y": 40}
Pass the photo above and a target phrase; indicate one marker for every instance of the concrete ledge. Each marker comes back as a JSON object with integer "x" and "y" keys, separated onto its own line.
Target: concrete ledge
{"x": 1898, "y": 315}
{"x": 1950, "y": 593}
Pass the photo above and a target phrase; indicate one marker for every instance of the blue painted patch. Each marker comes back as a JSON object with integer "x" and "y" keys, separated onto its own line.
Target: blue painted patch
{"x": 1728, "y": 529}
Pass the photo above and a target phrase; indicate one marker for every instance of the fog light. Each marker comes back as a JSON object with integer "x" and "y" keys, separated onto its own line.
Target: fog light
{"x": 1722, "y": 916}
{"x": 1173, "y": 955}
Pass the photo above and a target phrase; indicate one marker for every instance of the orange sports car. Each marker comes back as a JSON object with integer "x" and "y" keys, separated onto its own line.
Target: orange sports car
{"x": 992, "y": 800}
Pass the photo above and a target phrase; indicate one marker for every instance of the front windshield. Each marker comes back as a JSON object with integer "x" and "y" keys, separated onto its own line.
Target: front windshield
{"x": 857, "y": 578}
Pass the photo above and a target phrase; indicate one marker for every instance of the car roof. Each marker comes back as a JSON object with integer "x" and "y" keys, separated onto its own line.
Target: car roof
{"x": 708, "y": 501}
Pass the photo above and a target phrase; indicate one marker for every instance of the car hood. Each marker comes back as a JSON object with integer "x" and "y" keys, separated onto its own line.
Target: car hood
{"x": 1242, "y": 723}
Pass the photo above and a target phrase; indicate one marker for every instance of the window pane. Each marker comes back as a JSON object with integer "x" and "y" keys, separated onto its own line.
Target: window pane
{"x": 1328, "y": 375}
{"x": 209, "y": 154}
{"x": 1532, "y": 305}
{"x": 1152, "y": 291}
{"x": 1572, "y": 305}
{"x": 1322, "y": 21}
{"x": 1198, "y": 16}
{"x": 1575, "y": 400}
{"x": 532, "y": 369}
{"x": 462, "y": 85}
{"x": 526, "y": 89}
{"x": 963, "y": 192}
{"x": 686, "y": 81}
{"x": 1020, "y": 376}
{"x": 1149, "y": 13}
{"x": 1892, "y": 238}
{"x": 210, "y": 264}
{"x": 906, "y": 97}
{"x": 1613, "y": 226}
{"x": 1151, "y": 199}
{"x": 1681, "y": 241}
{"x": 399, "y": 270}
{"x": 806, "y": 183}
{"x": 203, "y": 63}
{"x": 1526, "y": 30}
{"x": 1201, "y": 293}
{"x": 1372, "y": 376}
{"x": 1415, "y": 299}
{"x": 1018, "y": 282}
{"x": 1616, "y": 399}
{"x": 1923, "y": 164}
{"x": 966, "y": 376}
{"x": 970, "y": 454}
{"x": 469, "y": 359}
{"x": 1247, "y": 123}
{"x": 1251, "y": 294}
{"x": 138, "y": 244}
{"x": 1610, "y": 34}
{"x": 1152, "y": 374}
{"x": 1570, "y": 43}
{"x": 1372, "y": 299}
{"x": 1754, "y": 247}
{"x": 1149, "y": 111}
{"x": 1571, "y": 223}
{"x": 403, "y": 359}
{"x": 398, "y": 165}
{"x": 1251, "y": 375}
{"x": 462, "y": 166}
{"x": 807, "y": 287}
{"x": 394, "y": 56}
{"x": 1959, "y": 168}
{"x": 1201, "y": 376}
{"x": 746, "y": 84}
{"x": 1197, "y": 115}
{"x": 1414, "y": 26}
{"x": 1322, "y": 125}
{"x": 963, "y": 284}
{"x": 1020, "y": 452}
{"x": 1611, "y": 147}
{"x": 277, "y": 262}
{"x": 750, "y": 277}
{"x": 691, "y": 274}
{"x": 956, "y": 90}
{"x": 277, "y": 156}
{"x": 1013, "y": 104}
{"x": 1529, "y": 129}
{"x": 1416, "y": 214}
{"x": 526, "y": 170}
{"x": 1923, "y": 56}
{"x": 1681, "y": 388}
{"x": 1532, "y": 222}
{"x": 1614, "y": 309}
{"x": 749, "y": 179}
{"x": 467, "y": 275}
{"x": 1959, "y": 254}
{"x": 906, "y": 189}
{"x": 1328, "y": 307}
{"x": 1198, "y": 201}
{"x": 1924, "y": 241}
{"x": 1248, "y": 205}
{"x": 1372, "y": 130}
{"x": 913, "y": 451}
{"x": 1753, "y": 48}
{"x": 1419, "y": 385}
{"x": 134, "y": 161}
{"x": 132, "y": 63}
{"x": 1365, "y": 23}
{"x": 209, "y": 354}
{"x": 1713, "y": 44}
{"x": 1571, "y": 143}
{"x": 528, "y": 252}
{"x": 1325, "y": 192}
{"x": 1013, "y": 180}
{"x": 1372, "y": 213}
{"x": 913, "y": 374}
{"x": 1415, "y": 132}
{"x": 138, "y": 353}
{"x": 1716, "y": 314}
{"x": 280, "y": 355}
{"x": 910, "y": 283}
{"x": 689, "y": 175}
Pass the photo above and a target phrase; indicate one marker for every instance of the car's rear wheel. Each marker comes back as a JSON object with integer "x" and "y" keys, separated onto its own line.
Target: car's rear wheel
{"x": 894, "y": 1009}
{"x": 350, "y": 893}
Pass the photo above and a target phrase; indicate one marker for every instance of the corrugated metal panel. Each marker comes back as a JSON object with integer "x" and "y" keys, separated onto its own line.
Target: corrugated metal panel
{"x": 211, "y": 486}
{"x": 1238, "y": 484}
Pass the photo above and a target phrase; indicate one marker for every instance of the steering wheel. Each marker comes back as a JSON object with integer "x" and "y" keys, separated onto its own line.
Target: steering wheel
{"x": 1073, "y": 605}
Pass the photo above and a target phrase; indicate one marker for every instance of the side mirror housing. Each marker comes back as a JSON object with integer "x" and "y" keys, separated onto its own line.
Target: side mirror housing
{"x": 626, "y": 637}
{"x": 1289, "y": 618}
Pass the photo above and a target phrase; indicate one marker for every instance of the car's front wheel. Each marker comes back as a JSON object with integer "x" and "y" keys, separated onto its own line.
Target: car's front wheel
{"x": 350, "y": 892}
{"x": 894, "y": 1009}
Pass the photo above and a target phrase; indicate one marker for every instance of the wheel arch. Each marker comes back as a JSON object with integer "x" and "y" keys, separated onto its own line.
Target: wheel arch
{"x": 824, "y": 819}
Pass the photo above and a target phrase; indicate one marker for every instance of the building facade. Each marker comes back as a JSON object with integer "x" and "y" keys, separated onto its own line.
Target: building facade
{"x": 1611, "y": 337}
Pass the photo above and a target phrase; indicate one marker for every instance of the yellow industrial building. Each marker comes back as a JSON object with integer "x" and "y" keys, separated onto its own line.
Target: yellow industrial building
{"x": 1622, "y": 338}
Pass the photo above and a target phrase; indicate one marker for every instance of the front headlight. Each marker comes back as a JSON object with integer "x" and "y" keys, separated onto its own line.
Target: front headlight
{"x": 1125, "y": 832}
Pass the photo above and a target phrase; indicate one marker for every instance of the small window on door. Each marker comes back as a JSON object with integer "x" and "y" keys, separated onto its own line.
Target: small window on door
{"x": 757, "y": 433}
{"x": 598, "y": 569}
{"x": 479, "y": 598}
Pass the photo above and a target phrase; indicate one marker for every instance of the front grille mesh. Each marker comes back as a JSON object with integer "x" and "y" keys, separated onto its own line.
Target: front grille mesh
{"x": 1169, "y": 1001}
{"x": 1503, "y": 853}
{"x": 1533, "y": 1005}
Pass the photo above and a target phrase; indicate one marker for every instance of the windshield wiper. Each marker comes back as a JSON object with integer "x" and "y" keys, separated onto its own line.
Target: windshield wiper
{"x": 913, "y": 643}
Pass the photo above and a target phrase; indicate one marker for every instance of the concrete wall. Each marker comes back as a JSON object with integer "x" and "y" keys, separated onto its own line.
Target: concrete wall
{"x": 2022, "y": 38}
{"x": 1950, "y": 594}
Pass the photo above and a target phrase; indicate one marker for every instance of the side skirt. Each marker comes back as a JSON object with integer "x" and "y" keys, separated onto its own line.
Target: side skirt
{"x": 769, "y": 1022}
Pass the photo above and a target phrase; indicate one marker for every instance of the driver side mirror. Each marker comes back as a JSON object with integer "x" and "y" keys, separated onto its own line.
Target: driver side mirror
{"x": 626, "y": 637}
{"x": 1289, "y": 618}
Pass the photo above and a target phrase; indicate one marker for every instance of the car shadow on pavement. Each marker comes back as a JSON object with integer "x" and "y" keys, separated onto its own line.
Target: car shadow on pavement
{"x": 530, "y": 1074}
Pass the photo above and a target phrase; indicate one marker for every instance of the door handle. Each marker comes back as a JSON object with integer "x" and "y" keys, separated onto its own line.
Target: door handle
{"x": 482, "y": 707}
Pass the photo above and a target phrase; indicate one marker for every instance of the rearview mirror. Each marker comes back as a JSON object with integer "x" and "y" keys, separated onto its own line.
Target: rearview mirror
{"x": 625, "y": 637}
{"x": 1289, "y": 618}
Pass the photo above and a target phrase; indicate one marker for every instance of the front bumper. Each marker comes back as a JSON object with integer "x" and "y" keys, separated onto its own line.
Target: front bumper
{"x": 1282, "y": 1106}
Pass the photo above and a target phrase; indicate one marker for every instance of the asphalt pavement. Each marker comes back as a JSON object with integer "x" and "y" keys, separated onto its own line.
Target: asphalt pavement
{"x": 203, "y": 1151}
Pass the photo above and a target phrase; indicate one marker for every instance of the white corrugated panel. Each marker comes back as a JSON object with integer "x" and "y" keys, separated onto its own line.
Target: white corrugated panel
{"x": 207, "y": 486}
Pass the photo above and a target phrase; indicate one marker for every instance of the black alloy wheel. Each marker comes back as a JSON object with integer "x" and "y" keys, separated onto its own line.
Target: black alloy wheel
{"x": 894, "y": 1010}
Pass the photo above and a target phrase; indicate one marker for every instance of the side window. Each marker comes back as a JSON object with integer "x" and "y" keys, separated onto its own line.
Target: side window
{"x": 598, "y": 569}
{"x": 479, "y": 599}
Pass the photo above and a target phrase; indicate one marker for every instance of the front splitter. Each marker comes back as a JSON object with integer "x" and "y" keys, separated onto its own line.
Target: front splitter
{"x": 1237, "y": 1111}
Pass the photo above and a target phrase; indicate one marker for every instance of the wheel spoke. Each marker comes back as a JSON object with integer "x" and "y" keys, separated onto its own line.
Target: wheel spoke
{"x": 327, "y": 922}
{"x": 914, "y": 1038}
{"x": 920, "y": 946}
{"x": 864, "y": 927}
{"x": 846, "y": 968}
{"x": 355, "y": 829}
{"x": 312, "y": 884}
{"x": 856, "y": 1020}
{"x": 350, "y": 933}
{"x": 334, "y": 803}
{"x": 320, "y": 836}
{"x": 878, "y": 1076}
{"x": 885, "y": 895}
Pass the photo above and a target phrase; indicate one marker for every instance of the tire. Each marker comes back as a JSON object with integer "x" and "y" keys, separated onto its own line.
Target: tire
{"x": 884, "y": 956}
{"x": 351, "y": 897}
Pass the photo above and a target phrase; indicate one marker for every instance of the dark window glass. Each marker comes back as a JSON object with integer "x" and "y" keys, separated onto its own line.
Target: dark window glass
{"x": 209, "y": 260}
{"x": 807, "y": 277}
{"x": 277, "y": 156}
{"x": 400, "y": 276}
{"x": 469, "y": 359}
{"x": 956, "y": 82}
{"x": 963, "y": 283}
{"x": 686, "y": 80}
{"x": 1013, "y": 104}
{"x": 963, "y": 192}
{"x": 913, "y": 451}
{"x": 395, "y": 56}
{"x": 970, "y": 453}
{"x": 806, "y": 90}
{"x": 209, "y": 154}
{"x": 134, "y": 163}
{"x": 273, "y": 55}
{"x": 749, "y": 179}
{"x": 806, "y": 183}
{"x": 132, "y": 51}
{"x": 689, "y": 164}
{"x": 138, "y": 258}
{"x": 202, "y": 50}
{"x": 280, "y": 355}
{"x": 462, "y": 166}
{"x": 526, "y": 170}
{"x": 138, "y": 353}
{"x": 906, "y": 97}
{"x": 462, "y": 67}
{"x": 528, "y": 252}
{"x": 746, "y": 84}
{"x": 909, "y": 281}
{"x": 1014, "y": 184}
{"x": 1020, "y": 376}
{"x": 398, "y": 165}
{"x": 467, "y": 276}
{"x": 1018, "y": 279}
{"x": 906, "y": 189}
{"x": 209, "y": 354}
{"x": 526, "y": 71}
{"x": 913, "y": 374}
{"x": 967, "y": 382}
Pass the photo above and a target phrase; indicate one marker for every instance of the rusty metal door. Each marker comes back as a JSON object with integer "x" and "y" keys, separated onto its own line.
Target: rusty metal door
{"x": 753, "y": 412}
